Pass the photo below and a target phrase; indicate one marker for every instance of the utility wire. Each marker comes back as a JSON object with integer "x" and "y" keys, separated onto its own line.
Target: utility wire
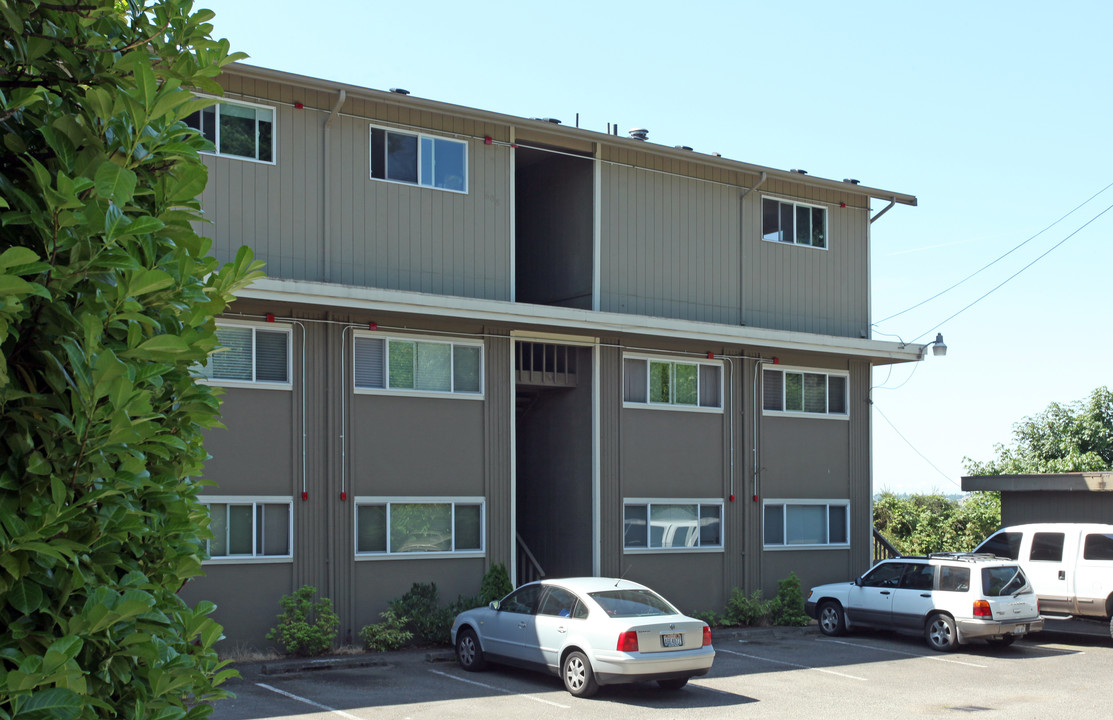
{"x": 1009, "y": 278}
{"x": 902, "y": 437}
{"x": 1002, "y": 257}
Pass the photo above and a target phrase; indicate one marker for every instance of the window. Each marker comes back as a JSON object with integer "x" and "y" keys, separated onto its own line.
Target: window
{"x": 885, "y": 575}
{"x": 523, "y": 600}
{"x": 250, "y": 354}
{"x": 1003, "y": 544}
{"x": 806, "y": 523}
{"x": 562, "y": 603}
{"x": 672, "y": 524}
{"x": 671, "y": 383}
{"x": 237, "y": 129}
{"x": 918, "y": 577}
{"x": 1098, "y": 546}
{"x": 801, "y": 391}
{"x": 417, "y": 159}
{"x": 419, "y": 526}
{"x": 249, "y": 527}
{"x": 954, "y": 579}
{"x": 795, "y": 223}
{"x": 1047, "y": 546}
{"x": 418, "y": 366}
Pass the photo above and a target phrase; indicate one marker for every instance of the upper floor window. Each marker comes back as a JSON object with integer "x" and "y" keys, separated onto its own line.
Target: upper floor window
{"x": 803, "y": 391}
{"x": 792, "y": 222}
{"x": 672, "y": 524}
{"x": 237, "y": 129}
{"x": 250, "y": 354}
{"x": 418, "y": 159}
{"x": 245, "y": 528}
{"x": 672, "y": 383}
{"x": 799, "y": 523}
{"x": 418, "y": 365}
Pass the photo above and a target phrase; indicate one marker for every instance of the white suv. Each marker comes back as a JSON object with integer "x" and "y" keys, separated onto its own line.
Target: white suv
{"x": 949, "y": 598}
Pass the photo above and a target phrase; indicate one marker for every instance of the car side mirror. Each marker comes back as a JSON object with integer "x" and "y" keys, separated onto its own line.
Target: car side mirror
{"x": 858, "y": 581}
{"x": 494, "y": 605}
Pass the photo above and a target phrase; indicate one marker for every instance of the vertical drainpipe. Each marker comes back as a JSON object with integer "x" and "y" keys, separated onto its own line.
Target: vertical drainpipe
{"x": 326, "y": 245}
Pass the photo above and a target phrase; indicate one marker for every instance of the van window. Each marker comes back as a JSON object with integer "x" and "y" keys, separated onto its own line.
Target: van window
{"x": 1099, "y": 546}
{"x": 1003, "y": 544}
{"x": 1047, "y": 546}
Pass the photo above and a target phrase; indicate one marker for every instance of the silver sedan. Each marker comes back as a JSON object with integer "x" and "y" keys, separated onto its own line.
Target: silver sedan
{"x": 589, "y": 631}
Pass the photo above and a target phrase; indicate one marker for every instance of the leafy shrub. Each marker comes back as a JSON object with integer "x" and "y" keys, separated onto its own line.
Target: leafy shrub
{"x": 430, "y": 622}
{"x": 305, "y": 627}
{"x": 496, "y": 584}
{"x": 788, "y": 607}
{"x": 746, "y": 611}
{"x": 390, "y": 634}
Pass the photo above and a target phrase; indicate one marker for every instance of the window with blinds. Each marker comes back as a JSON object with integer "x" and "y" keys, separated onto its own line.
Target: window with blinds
{"x": 246, "y": 528}
{"x": 417, "y": 366}
{"x": 250, "y": 354}
{"x": 672, "y": 384}
{"x": 804, "y": 391}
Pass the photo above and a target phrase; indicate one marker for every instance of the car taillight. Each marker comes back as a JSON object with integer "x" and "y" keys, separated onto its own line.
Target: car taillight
{"x": 981, "y": 609}
{"x": 706, "y": 635}
{"x": 628, "y": 641}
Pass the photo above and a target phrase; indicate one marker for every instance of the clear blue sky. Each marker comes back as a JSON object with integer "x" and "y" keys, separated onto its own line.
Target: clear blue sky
{"x": 996, "y": 115}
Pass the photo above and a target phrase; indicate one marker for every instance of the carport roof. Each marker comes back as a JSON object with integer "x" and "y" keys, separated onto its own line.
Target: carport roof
{"x": 1057, "y": 482}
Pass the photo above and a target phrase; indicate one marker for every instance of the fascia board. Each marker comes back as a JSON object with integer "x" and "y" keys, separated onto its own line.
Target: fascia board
{"x": 522, "y": 316}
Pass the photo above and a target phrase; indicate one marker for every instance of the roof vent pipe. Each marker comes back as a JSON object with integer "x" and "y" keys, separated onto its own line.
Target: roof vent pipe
{"x": 639, "y": 134}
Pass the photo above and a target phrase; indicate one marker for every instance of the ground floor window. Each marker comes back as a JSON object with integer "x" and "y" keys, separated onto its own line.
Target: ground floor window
{"x": 249, "y": 527}
{"x": 673, "y": 525}
{"x": 419, "y": 526}
{"x": 806, "y": 523}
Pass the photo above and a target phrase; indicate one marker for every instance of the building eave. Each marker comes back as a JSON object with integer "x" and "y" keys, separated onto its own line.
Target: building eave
{"x": 418, "y": 103}
{"x": 1047, "y": 482}
{"x": 590, "y": 323}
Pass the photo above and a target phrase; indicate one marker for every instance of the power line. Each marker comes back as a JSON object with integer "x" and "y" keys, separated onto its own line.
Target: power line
{"x": 902, "y": 437}
{"x": 1009, "y": 278}
{"x": 1002, "y": 257}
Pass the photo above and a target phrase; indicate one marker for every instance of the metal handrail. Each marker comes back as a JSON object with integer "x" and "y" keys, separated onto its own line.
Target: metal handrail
{"x": 528, "y": 567}
{"x": 882, "y": 548}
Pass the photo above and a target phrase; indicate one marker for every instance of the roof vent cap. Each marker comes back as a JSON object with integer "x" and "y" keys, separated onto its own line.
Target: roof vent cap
{"x": 682, "y": 147}
{"x": 554, "y": 121}
{"x": 639, "y": 133}
{"x": 400, "y": 91}
{"x": 852, "y": 181}
{"x": 799, "y": 172}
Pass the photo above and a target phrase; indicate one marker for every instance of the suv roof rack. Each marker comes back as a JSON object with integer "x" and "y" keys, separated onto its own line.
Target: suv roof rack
{"x": 965, "y": 556}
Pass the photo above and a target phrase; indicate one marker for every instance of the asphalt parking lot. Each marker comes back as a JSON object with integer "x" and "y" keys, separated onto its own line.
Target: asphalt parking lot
{"x": 773, "y": 673}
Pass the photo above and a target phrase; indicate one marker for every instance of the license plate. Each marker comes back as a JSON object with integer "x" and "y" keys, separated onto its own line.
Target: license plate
{"x": 672, "y": 640}
{"x": 1020, "y": 629}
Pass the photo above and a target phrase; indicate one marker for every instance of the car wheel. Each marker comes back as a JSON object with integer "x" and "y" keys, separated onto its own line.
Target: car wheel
{"x": 1111, "y": 627}
{"x": 940, "y": 633}
{"x": 579, "y": 679}
{"x": 832, "y": 621}
{"x": 1003, "y": 641}
{"x": 674, "y": 684}
{"x": 468, "y": 652}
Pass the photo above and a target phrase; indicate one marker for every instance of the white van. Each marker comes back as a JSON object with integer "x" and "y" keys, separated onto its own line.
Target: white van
{"x": 1069, "y": 564}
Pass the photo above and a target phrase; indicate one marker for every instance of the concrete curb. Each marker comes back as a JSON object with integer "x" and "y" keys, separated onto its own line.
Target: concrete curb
{"x": 295, "y": 666}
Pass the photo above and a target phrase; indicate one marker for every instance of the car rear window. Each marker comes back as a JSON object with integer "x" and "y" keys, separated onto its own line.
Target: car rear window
{"x": 1003, "y": 580}
{"x": 632, "y": 603}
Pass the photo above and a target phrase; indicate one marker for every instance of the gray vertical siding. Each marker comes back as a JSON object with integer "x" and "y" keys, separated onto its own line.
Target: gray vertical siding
{"x": 497, "y": 421}
{"x": 610, "y": 457}
{"x": 790, "y": 287}
{"x": 1044, "y": 506}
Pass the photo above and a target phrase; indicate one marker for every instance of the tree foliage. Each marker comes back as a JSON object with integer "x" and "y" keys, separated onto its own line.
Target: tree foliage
{"x": 107, "y": 299}
{"x": 1075, "y": 437}
{"x": 921, "y": 524}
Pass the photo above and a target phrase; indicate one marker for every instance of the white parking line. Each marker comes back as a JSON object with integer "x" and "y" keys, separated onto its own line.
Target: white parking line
{"x": 501, "y": 690}
{"x": 902, "y": 652}
{"x": 309, "y": 702}
{"x": 802, "y": 667}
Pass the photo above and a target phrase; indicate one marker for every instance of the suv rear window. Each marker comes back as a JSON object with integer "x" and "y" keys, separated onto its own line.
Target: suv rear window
{"x": 1002, "y": 580}
{"x": 1003, "y": 544}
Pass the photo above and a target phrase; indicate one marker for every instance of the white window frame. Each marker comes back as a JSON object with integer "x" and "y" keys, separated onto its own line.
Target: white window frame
{"x": 255, "y": 558}
{"x": 673, "y": 361}
{"x": 421, "y": 136}
{"x": 647, "y": 503}
{"x": 363, "y": 501}
{"x": 796, "y": 204}
{"x": 256, "y": 106}
{"x": 826, "y": 504}
{"x": 288, "y": 330}
{"x": 828, "y": 374}
{"x": 453, "y": 343}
